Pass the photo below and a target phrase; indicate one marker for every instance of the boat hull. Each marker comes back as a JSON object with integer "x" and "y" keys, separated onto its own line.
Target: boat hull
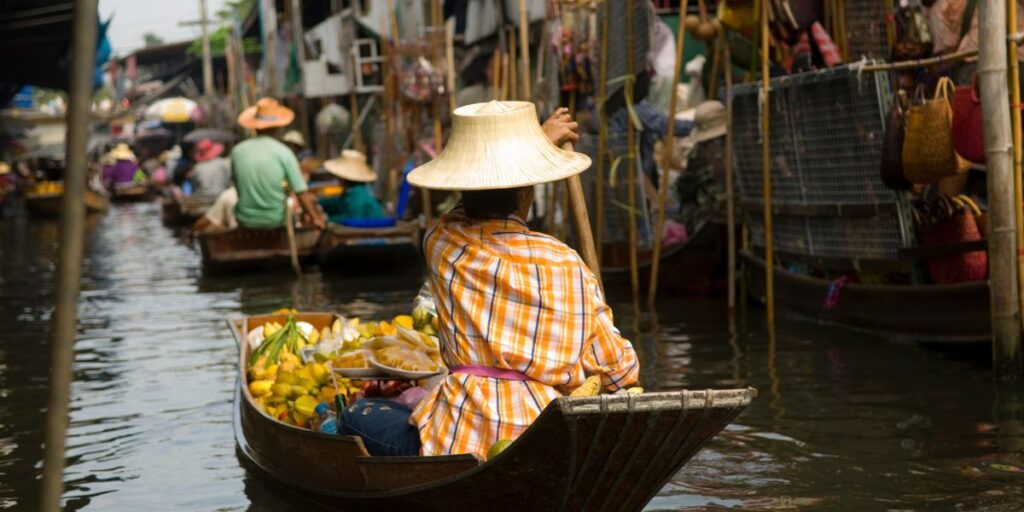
{"x": 928, "y": 313}
{"x": 245, "y": 249}
{"x": 131, "y": 194}
{"x": 597, "y": 453}
{"x": 49, "y": 204}
{"x": 695, "y": 267}
{"x": 344, "y": 249}
{"x": 183, "y": 212}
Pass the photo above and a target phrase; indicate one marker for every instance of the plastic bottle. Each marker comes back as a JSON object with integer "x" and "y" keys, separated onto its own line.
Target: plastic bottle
{"x": 328, "y": 422}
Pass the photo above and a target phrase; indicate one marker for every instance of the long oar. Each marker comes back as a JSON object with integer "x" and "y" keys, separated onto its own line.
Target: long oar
{"x": 581, "y": 219}
{"x": 289, "y": 227}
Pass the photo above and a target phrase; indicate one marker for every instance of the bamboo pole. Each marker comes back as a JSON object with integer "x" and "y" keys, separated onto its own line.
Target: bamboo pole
{"x": 524, "y": 45}
{"x": 268, "y": 16}
{"x": 513, "y": 74}
{"x": 69, "y": 268}
{"x": 730, "y": 201}
{"x": 295, "y": 15}
{"x": 496, "y": 79}
{"x": 904, "y": 65}
{"x": 670, "y": 142}
{"x": 766, "y": 172}
{"x": 602, "y": 131}
{"x": 995, "y": 106}
{"x": 1015, "y": 117}
{"x": 449, "y": 57}
{"x": 634, "y": 271}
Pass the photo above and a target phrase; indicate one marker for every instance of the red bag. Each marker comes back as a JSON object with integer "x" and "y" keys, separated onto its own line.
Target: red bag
{"x": 967, "y": 127}
{"x": 950, "y": 221}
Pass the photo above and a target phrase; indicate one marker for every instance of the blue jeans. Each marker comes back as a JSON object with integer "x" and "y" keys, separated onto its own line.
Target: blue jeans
{"x": 383, "y": 425}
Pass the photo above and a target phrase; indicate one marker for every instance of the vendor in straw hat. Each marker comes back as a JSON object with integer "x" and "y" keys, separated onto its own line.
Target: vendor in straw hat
{"x": 261, "y": 164}
{"x": 520, "y": 314}
{"x": 124, "y": 169}
{"x": 356, "y": 202}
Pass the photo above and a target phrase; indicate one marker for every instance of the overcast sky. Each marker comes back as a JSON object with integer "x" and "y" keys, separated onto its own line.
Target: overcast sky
{"x": 133, "y": 18}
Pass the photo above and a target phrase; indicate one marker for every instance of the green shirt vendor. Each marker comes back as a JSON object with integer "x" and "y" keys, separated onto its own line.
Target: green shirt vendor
{"x": 357, "y": 201}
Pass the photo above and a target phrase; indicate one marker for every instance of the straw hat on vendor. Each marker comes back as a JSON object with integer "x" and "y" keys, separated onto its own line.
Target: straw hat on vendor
{"x": 122, "y": 152}
{"x": 351, "y": 166}
{"x": 497, "y": 145}
{"x": 711, "y": 120}
{"x": 266, "y": 114}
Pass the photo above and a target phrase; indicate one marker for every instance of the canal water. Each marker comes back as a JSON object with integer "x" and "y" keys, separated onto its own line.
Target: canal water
{"x": 842, "y": 422}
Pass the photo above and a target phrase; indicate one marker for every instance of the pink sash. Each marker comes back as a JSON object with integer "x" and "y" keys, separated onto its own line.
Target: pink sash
{"x": 490, "y": 372}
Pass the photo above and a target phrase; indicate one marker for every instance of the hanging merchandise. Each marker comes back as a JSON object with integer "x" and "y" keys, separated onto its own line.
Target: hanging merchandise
{"x": 703, "y": 27}
{"x": 913, "y": 38}
{"x": 791, "y": 17}
{"x": 892, "y": 146}
{"x": 739, "y": 17}
{"x": 946, "y": 221}
{"x": 928, "y": 153}
{"x": 968, "y": 128}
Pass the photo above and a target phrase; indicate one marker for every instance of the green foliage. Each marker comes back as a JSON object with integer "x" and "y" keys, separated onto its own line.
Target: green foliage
{"x": 151, "y": 39}
{"x": 219, "y": 37}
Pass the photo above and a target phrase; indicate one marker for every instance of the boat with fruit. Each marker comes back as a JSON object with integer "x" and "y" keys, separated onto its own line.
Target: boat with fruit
{"x": 605, "y": 452}
{"x": 247, "y": 249}
{"x": 45, "y": 199}
{"x": 131, "y": 193}
{"x": 183, "y": 211}
{"x": 371, "y": 247}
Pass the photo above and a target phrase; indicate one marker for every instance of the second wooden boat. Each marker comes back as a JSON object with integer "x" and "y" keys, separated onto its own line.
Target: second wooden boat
{"x": 48, "y": 204}
{"x": 609, "y": 452}
{"x": 370, "y": 248}
{"x": 131, "y": 193}
{"x": 929, "y": 313}
{"x": 247, "y": 249}
{"x": 696, "y": 266}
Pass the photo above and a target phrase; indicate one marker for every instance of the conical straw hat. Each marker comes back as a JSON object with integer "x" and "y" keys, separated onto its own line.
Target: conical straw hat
{"x": 497, "y": 145}
{"x": 266, "y": 113}
{"x": 351, "y": 165}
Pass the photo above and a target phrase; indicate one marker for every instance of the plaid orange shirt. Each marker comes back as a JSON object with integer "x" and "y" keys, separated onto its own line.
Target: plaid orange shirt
{"x": 513, "y": 299}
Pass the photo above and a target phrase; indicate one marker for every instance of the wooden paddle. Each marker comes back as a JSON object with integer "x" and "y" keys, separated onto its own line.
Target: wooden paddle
{"x": 289, "y": 226}
{"x": 581, "y": 219}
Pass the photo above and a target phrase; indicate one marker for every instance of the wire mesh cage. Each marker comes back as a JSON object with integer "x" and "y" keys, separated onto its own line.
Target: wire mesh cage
{"x": 826, "y": 141}
{"x": 866, "y": 32}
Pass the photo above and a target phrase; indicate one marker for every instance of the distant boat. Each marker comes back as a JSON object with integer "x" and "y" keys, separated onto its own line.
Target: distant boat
{"x": 696, "y": 266}
{"x": 608, "y": 452}
{"x": 131, "y": 193}
{"x": 45, "y": 199}
{"x": 362, "y": 249}
{"x": 183, "y": 211}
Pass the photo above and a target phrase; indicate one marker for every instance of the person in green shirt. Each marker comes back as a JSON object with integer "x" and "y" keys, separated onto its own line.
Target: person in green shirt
{"x": 356, "y": 202}
{"x": 262, "y": 167}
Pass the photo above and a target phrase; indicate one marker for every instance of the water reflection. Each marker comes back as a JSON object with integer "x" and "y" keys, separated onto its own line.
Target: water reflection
{"x": 843, "y": 421}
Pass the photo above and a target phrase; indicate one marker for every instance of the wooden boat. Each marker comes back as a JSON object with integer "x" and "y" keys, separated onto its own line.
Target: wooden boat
{"x": 183, "y": 211}
{"x": 48, "y": 204}
{"x": 248, "y": 249}
{"x": 596, "y": 453}
{"x": 928, "y": 313}
{"x": 370, "y": 248}
{"x": 131, "y": 193}
{"x": 696, "y": 266}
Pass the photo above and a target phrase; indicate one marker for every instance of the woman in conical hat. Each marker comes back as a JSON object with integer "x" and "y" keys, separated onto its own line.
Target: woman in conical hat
{"x": 357, "y": 201}
{"x": 520, "y": 315}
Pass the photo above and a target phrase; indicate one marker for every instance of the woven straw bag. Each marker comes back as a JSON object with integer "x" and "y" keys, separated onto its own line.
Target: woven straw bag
{"x": 928, "y": 153}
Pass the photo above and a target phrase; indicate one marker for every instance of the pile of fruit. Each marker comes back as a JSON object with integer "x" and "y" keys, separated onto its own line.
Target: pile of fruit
{"x": 290, "y": 364}
{"x": 47, "y": 187}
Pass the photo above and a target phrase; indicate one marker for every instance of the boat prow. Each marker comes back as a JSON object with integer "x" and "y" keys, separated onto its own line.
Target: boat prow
{"x": 609, "y": 452}
{"x": 247, "y": 249}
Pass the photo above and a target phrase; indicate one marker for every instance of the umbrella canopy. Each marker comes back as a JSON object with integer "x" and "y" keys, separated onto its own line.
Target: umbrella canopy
{"x": 215, "y": 135}
{"x": 173, "y": 110}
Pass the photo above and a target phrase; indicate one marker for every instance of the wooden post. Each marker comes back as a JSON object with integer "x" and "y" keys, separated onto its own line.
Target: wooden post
{"x": 766, "y": 172}
{"x": 207, "y": 60}
{"x": 300, "y": 51}
{"x": 634, "y": 271}
{"x": 449, "y": 57}
{"x": 268, "y": 17}
{"x": 670, "y": 139}
{"x": 513, "y": 75}
{"x": 995, "y": 105}
{"x": 69, "y": 268}
{"x": 1015, "y": 117}
{"x": 730, "y": 200}
{"x": 524, "y": 54}
{"x": 602, "y": 129}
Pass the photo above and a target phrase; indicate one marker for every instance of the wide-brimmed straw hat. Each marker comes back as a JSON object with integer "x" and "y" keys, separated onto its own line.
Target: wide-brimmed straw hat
{"x": 122, "y": 152}
{"x": 710, "y": 119}
{"x": 352, "y": 166}
{"x": 294, "y": 137}
{"x": 266, "y": 113}
{"x": 497, "y": 145}
{"x": 207, "y": 149}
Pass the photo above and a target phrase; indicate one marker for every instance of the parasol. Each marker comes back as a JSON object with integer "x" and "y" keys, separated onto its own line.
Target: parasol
{"x": 173, "y": 110}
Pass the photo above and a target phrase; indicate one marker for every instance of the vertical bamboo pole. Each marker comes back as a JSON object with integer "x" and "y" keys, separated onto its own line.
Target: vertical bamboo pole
{"x": 670, "y": 140}
{"x": 449, "y": 57}
{"x": 730, "y": 205}
{"x": 602, "y": 131}
{"x": 300, "y": 51}
{"x": 69, "y": 268}
{"x": 634, "y": 272}
{"x": 1015, "y": 117}
{"x": 268, "y": 16}
{"x": 513, "y": 75}
{"x": 995, "y": 105}
{"x": 766, "y": 172}
{"x": 524, "y": 53}
{"x": 496, "y": 78}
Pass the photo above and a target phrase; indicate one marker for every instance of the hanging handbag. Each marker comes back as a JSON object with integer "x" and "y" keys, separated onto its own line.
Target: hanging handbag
{"x": 947, "y": 221}
{"x": 892, "y": 147}
{"x": 928, "y": 153}
{"x": 967, "y": 128}
{"x": 913, "y": 38}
